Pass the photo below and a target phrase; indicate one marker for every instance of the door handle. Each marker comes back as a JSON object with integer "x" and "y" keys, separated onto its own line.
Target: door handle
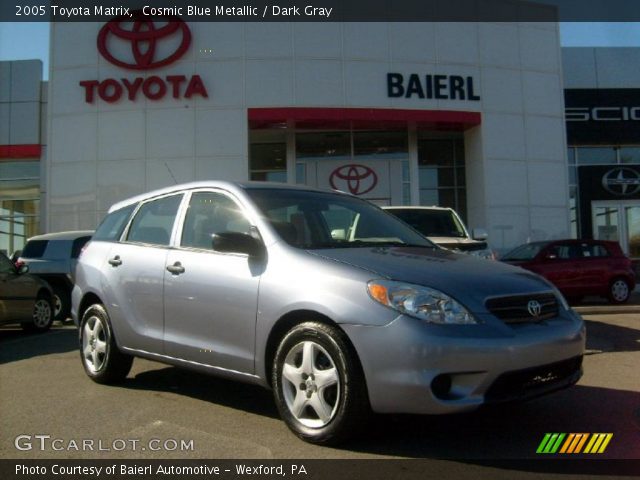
{"x": 115, "y": 261}
{"x": 176, "y": 268}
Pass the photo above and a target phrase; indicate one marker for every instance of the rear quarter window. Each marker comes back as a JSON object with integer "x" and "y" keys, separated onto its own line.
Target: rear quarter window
{"x": 113, "y": 225}
{"x": 34, "y": 248}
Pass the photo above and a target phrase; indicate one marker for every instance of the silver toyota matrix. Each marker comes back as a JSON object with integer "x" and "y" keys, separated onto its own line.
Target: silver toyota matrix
{"x": 338, "y": 307}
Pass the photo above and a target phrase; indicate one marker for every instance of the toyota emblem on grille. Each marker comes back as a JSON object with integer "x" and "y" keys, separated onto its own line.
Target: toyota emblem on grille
{"x": 534, "y": 308}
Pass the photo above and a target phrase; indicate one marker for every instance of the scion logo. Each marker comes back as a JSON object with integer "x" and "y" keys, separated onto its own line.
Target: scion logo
{"x": 144, "y": 37}
{"x": 534, "y": 308}
{"x": 621, "y": 181}
{"x": 358, "y": 179}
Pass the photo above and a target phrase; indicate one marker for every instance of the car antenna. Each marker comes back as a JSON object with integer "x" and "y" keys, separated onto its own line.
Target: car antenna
{"x": 171, "y": 173}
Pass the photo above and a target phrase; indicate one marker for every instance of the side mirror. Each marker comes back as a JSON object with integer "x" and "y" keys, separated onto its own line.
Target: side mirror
{"x": 234, "y": 242}
{"x": 550, "y": 256}
{"x": 479, "y": 234}
{"x": 22, "y": 269}
{"x": 339, "y": 234}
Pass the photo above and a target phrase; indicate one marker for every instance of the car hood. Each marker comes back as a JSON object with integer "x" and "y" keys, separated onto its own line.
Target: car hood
{"x": 462, "y": 244}
{"x": 466, "y": 278}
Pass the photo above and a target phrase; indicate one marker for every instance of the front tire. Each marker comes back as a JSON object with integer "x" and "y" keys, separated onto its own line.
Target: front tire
{"x": 103, "y": 362}
{"x": 318, "y": 384}
{"x": 619, "y": 291}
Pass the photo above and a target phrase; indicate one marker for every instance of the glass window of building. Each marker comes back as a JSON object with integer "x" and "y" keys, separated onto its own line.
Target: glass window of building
{"x": 629, "y": 155}
{"x": 318, "y": 145}
{"x": 268, "y": 155}
{"x": 596, "y": 155}
{"x": 19, "y": 203}
{"x": 441, "y": 173}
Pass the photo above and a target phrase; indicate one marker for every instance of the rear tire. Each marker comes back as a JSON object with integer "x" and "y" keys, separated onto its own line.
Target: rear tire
{"x": 619, "y": 291}
{"x": 103, "y": 362}
{"x": 42, "y": 316}
{"x": 318, "y": 384}
{"x": 61, "y": 302}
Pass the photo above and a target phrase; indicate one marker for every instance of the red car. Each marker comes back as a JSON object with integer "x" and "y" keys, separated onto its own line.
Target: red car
{"x": 579, "y": 267}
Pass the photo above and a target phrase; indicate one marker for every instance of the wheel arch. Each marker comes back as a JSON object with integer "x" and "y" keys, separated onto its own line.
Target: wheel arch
{"x": 89, "y": 298}
{"x": 286, "y": 323}
{"x": 45, "y": 292}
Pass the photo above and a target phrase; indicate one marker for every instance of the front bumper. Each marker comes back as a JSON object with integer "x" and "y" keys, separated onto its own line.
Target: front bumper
{"x": 414, "y": 367}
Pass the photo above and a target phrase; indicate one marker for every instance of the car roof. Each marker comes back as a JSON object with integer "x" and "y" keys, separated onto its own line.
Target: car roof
{"x": 70, "y": 235}
{"x": 231, "y": 186}
{"x": 410, "y": 207}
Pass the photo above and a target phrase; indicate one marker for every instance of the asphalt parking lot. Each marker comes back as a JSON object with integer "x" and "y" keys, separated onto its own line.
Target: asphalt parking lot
{"x": 44, "y": 391}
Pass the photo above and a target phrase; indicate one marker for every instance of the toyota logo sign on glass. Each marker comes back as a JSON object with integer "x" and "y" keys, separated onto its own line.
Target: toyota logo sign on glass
{"x": 357, "y": 179}
{"x": 139, "y": 41}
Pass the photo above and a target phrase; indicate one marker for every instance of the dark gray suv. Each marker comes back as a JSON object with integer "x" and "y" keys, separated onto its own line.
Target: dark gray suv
{"x": 337, "y": 306}
{"x": 53, "y": 257}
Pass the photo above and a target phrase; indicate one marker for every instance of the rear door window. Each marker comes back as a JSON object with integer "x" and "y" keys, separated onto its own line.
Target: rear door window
{"x": 566, "y": 251}
{"x": 154, "y": 221}
{"x": 594, "y": 251}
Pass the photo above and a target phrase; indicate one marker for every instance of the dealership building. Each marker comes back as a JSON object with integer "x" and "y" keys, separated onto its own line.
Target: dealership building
{"x": 466, "y": 115}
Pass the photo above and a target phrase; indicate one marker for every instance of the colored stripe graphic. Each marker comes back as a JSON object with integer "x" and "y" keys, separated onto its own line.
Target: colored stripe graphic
{"x": 553, "y": 443}
{"x": 550, "y": 443}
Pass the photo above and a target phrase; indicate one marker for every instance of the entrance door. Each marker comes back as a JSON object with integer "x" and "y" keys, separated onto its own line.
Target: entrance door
{"x": 618, "y": 221}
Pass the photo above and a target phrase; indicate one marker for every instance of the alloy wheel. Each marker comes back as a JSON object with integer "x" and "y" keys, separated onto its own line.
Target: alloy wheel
{"x": 57, "y": 305}
{"x": 619, "y": 290}
{"x": 94, "y": 344}
{"x": 310, "y": 384}
{"x": 41, "y": 313}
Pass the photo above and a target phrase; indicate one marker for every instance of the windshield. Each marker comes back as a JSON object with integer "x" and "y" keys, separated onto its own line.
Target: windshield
{"x": 525, "y": 252}
{"x": 312, "y": 220}
{"x": 431, "y": 223}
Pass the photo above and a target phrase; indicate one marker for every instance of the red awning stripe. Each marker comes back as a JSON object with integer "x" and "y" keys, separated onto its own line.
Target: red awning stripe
{"x": 329, "y": 115}
{"x": 20, "y": 151}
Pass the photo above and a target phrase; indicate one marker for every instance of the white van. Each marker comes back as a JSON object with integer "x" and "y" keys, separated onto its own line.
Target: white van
{"x": 444, "y": 227}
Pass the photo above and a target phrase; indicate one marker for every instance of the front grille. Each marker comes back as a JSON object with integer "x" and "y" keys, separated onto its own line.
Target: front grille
{"x": 516, "y": 309}
{"x": 531, "y": 382}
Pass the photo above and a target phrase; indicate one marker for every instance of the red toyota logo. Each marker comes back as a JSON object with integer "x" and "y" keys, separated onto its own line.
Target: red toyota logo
{"x": 359, "y": 179}
{"x": 144, "y": 36}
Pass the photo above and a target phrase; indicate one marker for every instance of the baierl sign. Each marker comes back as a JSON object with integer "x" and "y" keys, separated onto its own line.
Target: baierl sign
{"x": 143, "y": 38}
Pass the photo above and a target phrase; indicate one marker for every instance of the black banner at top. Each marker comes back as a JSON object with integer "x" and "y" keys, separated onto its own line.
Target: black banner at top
{"x": 604, "y": 116}
{"x": 328, "y": 10}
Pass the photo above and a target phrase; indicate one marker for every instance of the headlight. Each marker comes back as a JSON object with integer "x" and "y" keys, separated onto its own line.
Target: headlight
{"x": 421, "y": 302}
{"x": 487, "y": 254}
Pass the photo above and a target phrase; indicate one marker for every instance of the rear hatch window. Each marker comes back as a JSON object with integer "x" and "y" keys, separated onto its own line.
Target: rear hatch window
{"x": 34, "y": 249}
